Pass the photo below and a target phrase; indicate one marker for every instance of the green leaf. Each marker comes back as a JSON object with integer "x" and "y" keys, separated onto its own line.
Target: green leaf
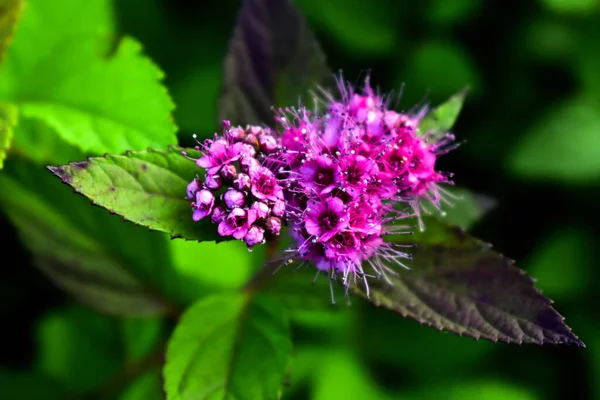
{"x": 273, "y": 59}
{"x": 8, "y": 119}
{"x": 95, "y": 98}
{"x": 457, "y": 283}
{"x": 10, "y": 12}
{"x": 141, "y": 336}
{"x": 570, "y": 247}
{"x": 195, "y": 262}
{"x": 442, "y": 118}
{"x": 477, "y": 389}
{"x": 440, "y": 68}
{"x": 574, "y": 7}
{"x": 146, "y": 387}
{"x": 96, "y": 257}
{"x": 377, "y": 34}
{"x": 463, "y": 208}
{"x": 442, "y": 12}
{"x": 29, "y": 385}
{"x": 78, "y": 348}
{"x": 36, "y": 141}
{"x": 228, "y": 346}
{"x": 145, "y": 187}
{"x": 562, "y": 147}
{"x": 339, "y": 375}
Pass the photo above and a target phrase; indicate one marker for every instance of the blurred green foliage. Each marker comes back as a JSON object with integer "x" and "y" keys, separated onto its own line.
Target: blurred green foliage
{"x": 531, "y": 129}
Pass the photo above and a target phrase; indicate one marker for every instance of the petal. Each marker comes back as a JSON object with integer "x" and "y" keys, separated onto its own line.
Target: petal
{"x": 204, "y": 162}
{"x": 224, "y": 228}
{"x": 251, "y": 217}
{"x": 240, "y": 232}
{"x": 312, "y": 227}
{"x": 199, "y": 214}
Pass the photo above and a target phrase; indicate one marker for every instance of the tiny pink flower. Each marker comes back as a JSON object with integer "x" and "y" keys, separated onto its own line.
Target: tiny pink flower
{"x": 236, "y": 223}
{"x": 205, "y": 201}
{"x": 254, "y": 236}
{"x": 234, "y": 198}
{"x": 326, "y": 218}
{"x": 264, "y": 185}
{"x": 261, "y": 209}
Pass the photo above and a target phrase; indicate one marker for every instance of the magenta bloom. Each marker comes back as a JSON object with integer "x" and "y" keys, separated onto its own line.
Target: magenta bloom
{"x": 319, "y": 174}
{"x": 246, "y": 205}
{"x": 264, "y": 185}
{"x": 254, "y": 236}
{"x": 343, "y": 174}
{"x": 327, "y": 218}
{"x": 220, "y": 152}
{"x": 192, "y": 188}
{"x": 237, "y": 223}
{"x": 205, "y": 201}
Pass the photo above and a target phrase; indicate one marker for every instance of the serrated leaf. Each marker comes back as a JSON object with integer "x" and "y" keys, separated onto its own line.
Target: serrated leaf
{"x": 10, "y": 12}
{"x": 8, "y": 119}
{"x": 94, "y": 256}
{"x": 457, "y": 283}
{"x": 273, "y": 60}
{"x": 554, "y": 151}
{"x": 228, "y": 346}
{"x": 442, "y": 118}
{"x": 145, "y": 187}
{"x": 96, "y": 98}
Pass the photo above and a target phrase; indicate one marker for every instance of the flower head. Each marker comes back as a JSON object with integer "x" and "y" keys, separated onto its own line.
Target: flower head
{"x": 238, "y": 192}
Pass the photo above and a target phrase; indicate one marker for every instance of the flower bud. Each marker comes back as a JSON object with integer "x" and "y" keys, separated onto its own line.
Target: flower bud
{"x": 254, "y": 236}
{"x": 218, "y": 214}
{"x": 273, "y": 225}
{"x": 228, "y": 172}
{"x": 234, "y": 198}
{"x": 242, "y": 182}
{"x": 248, "y": 164}
{"x": 255, "y": 130}
{"x": 203, "y": 204}
{"x": 235, "y": 134}
{"x": 262, "y": 210}
{"x": 192, "y": 188}
{"x": 251, "y": 140}
{"x": 278, "y": 209}
{"x": 213, "y": 181}
{"x": 267, "y": 143}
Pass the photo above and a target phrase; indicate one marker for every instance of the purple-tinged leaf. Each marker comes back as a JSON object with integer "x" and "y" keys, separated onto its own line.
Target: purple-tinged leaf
{"x": 273, "y": 59}
{"x": 97, "y": 258}
{"x": 458, "y": 283}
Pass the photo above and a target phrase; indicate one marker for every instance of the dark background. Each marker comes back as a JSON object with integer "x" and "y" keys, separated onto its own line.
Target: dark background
{"x": 527, "y": 64}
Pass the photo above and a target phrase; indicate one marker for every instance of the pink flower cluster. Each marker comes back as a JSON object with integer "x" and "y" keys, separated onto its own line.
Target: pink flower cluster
{"x": 340, "y": 180}
{"x": 238, "y": 192}
{"x": 346, "y": 172}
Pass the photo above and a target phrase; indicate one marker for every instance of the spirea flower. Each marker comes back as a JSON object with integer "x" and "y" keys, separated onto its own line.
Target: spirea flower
{"x": 343, "y": 175}
{"x": 341, "y": 180}
{"x": 238, "y": 191}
